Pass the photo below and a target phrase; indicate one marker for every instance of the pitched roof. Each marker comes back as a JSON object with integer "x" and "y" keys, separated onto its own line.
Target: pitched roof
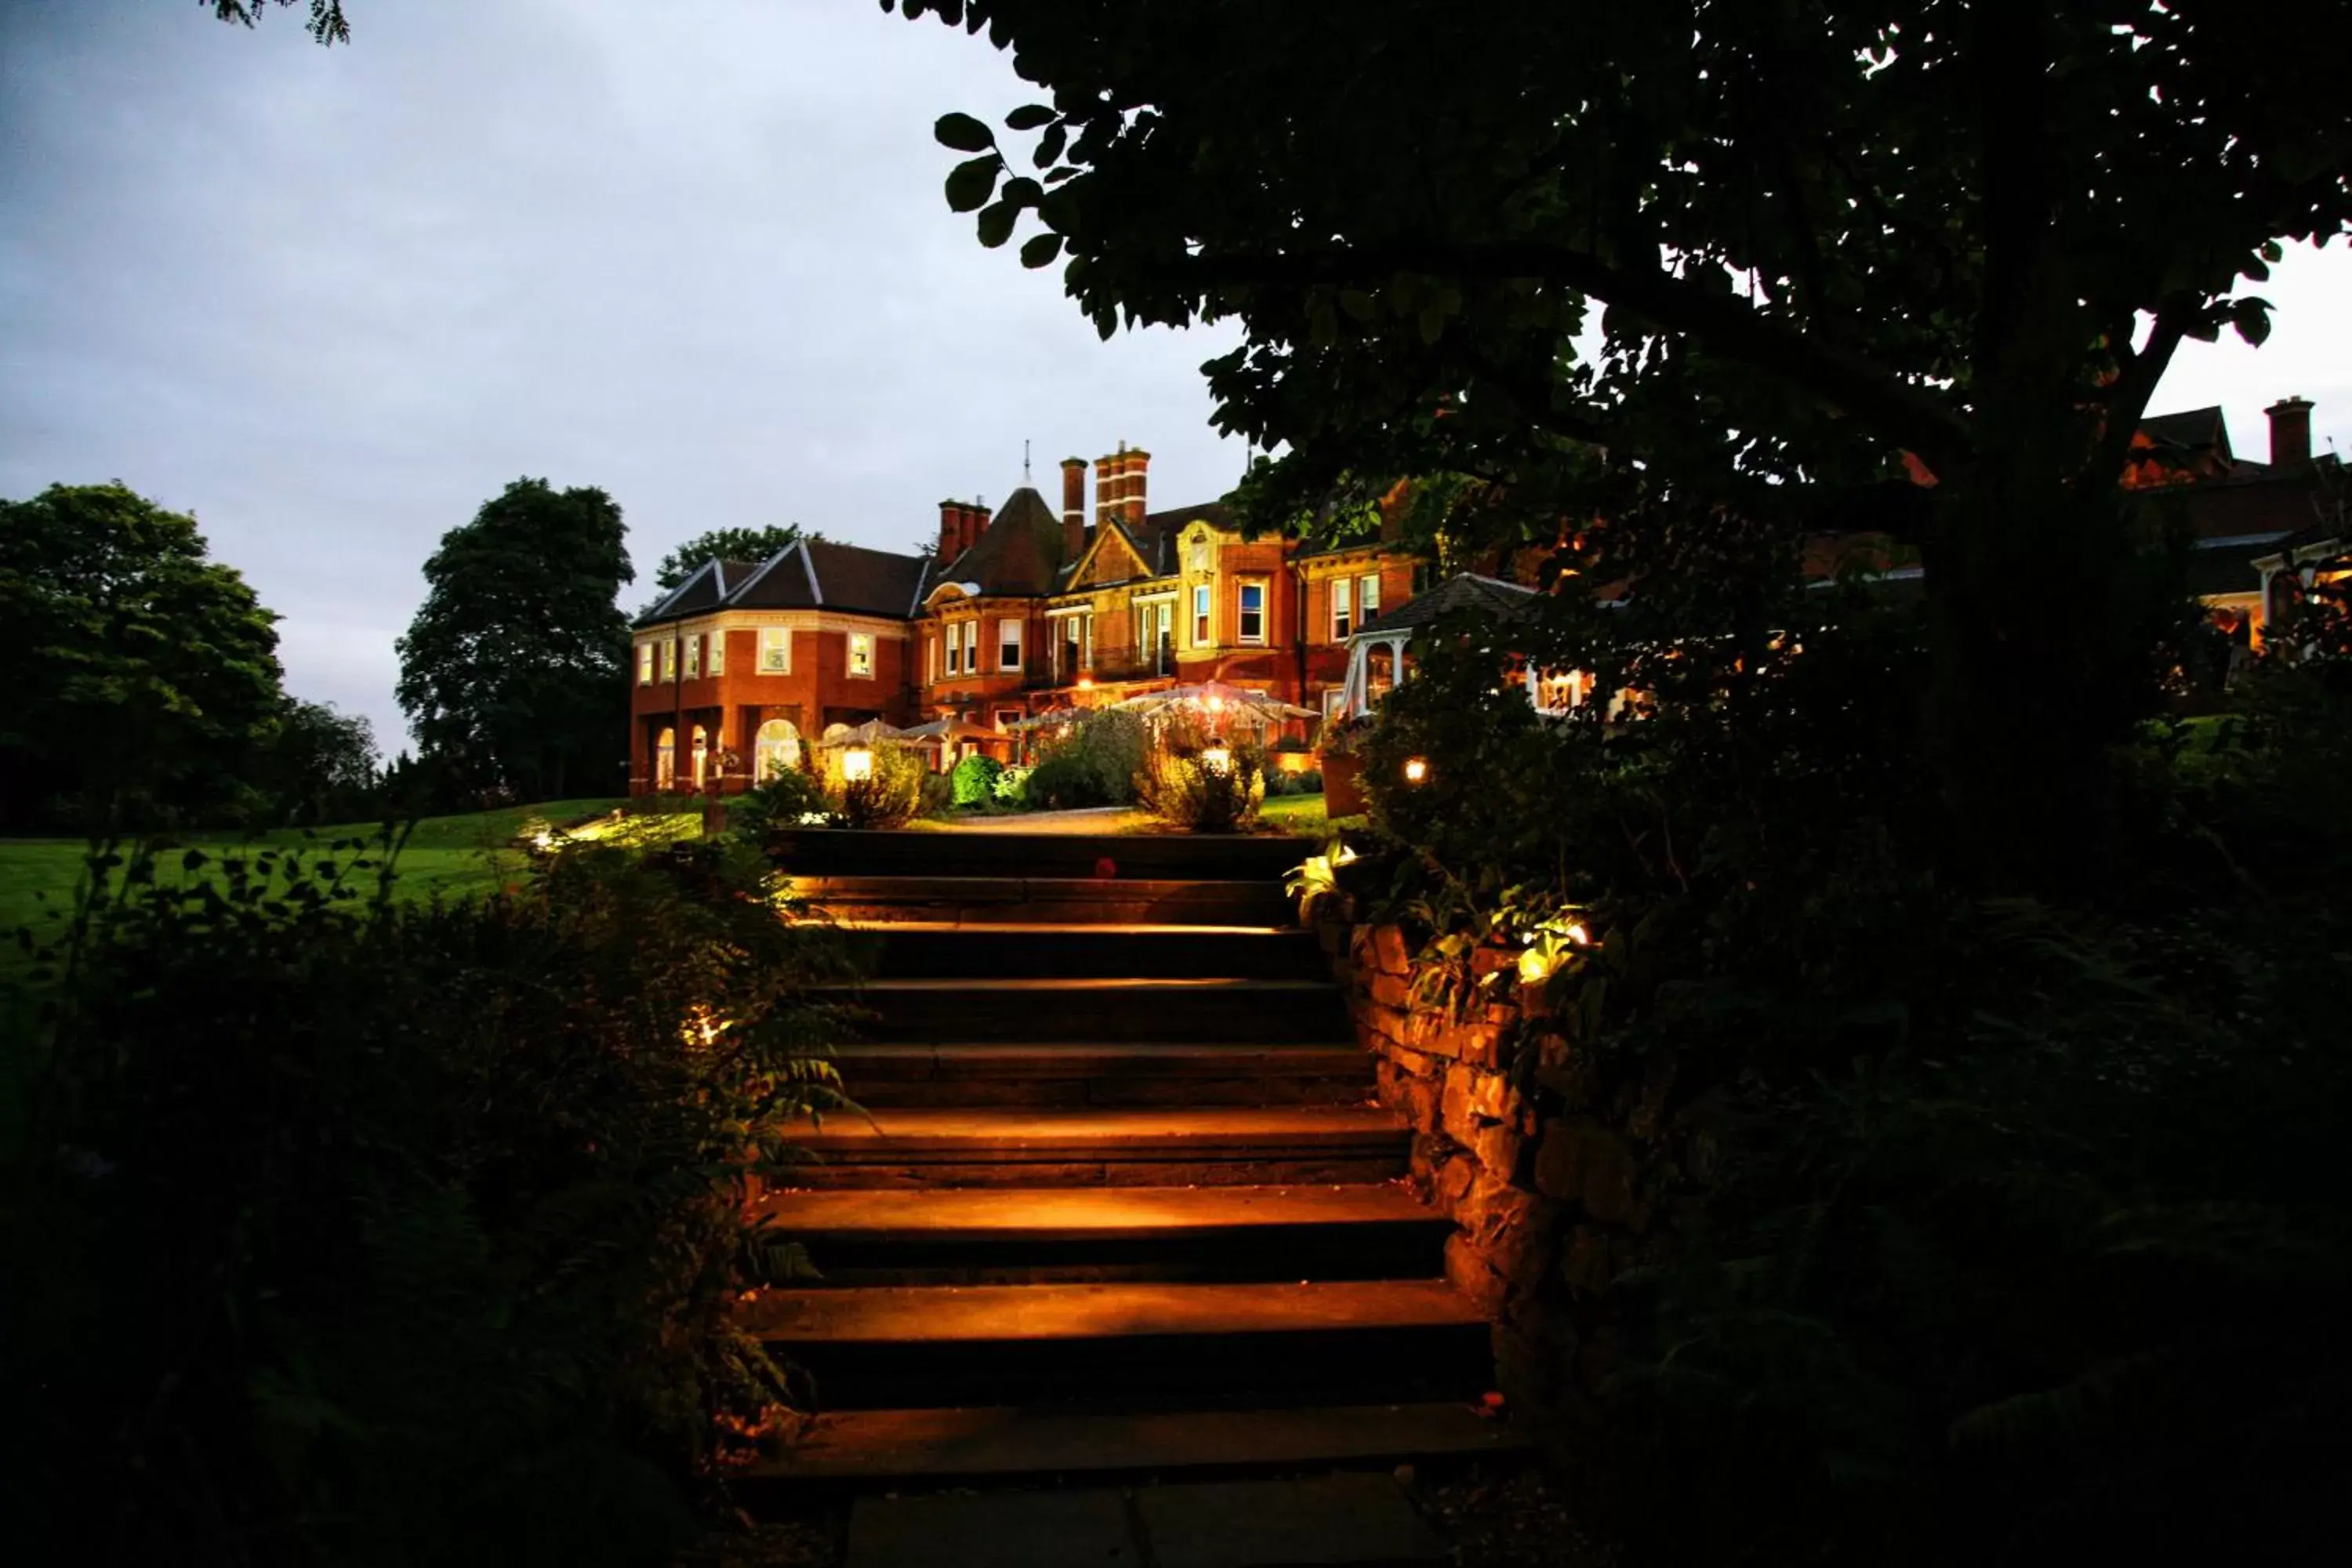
{"x": 1019, "y": 553}
{"x": 2191, "y": 429}
{"x": 1464, "y": 590}
{"x": 809, "y": 574}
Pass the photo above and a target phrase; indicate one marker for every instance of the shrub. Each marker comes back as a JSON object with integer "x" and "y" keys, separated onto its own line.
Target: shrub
{"x": 936, "y": 799}
{"x": 359, "y": 1232}
{"x": 1012, "y": 786}
{"x": 1182, "y": 788}
{"x": 975, "y": 780}
{"x": 786, "y": 797}
{"x": 888, "y": 798}
{"x": 1097, "y": 763}
{"x": 1310, "y": 780}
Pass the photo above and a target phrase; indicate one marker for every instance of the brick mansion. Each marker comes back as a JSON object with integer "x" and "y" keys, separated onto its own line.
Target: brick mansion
{"x": 1016, "y": 612}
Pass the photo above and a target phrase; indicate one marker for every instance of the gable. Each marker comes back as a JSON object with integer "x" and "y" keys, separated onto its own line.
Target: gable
{"x": 1110, "y": 559}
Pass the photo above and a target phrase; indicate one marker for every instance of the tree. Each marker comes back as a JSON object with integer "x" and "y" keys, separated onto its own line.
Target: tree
{"x": 513, "y": 671}
{"x": 727, "y": 545}
{"x": 319, "y": 763}
{"x": 143, "y": 674}
{"x": 1828, "y": 239}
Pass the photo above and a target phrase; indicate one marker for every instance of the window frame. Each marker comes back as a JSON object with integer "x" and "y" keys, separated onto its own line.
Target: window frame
{"x": 716, "y": 663}
{"x": 1242, "y": 612}
{"x": 953, "y": 638}
{"x": 645, "y": 661}
{"x": 1205, "y": 627}
{"x": 1368, "y": 606}
{"x": 850, "y": 641}
{"x": 693, "y": 657}
{"x": 1009, "y": 638}
{"x": 971, "y": 646}
{"x": 775, "y": 639}
{"x": 1342, "y": 608}
{"x": 670, "y": 658}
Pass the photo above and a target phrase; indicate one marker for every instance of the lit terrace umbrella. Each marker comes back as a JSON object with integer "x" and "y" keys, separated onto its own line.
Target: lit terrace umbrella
{"x": 1215, "y": 697}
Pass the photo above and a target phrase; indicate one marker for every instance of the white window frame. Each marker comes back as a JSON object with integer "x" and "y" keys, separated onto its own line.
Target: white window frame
{"x": 1343, "y": 617}
{"x": 851, "y": 643}
{"x": 1204, "y": 624}
{"x": 1008, "y": 639}
{"x": 645, "y": 662}
{"x": 930, "y": 657}
{"x": 717, "y": 662}
{"x": 774, "y": 640}
{"x": 1241, "y": 634}
{"x": 693, "y": 656}
{"x": 971, "y": 646}
{"x": 954, "y": 640}
{"x": 670, "y": 658}
{"x": 1367, "y": 597}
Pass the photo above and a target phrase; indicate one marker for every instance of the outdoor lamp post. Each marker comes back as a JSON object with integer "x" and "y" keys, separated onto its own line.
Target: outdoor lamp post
{"x": 858, "y": 765}
{"x": 1217, "y": 759}
{"x": 1416, "y": 770}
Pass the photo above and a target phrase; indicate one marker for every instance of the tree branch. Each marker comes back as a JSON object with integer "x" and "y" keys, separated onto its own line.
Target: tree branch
{"x": 1720, "y": 324}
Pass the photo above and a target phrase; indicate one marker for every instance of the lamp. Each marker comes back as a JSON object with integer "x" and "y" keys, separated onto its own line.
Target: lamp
{"x": 856, "y": 764}
{"x": 1217, "y": 759}
{"x": 1416, "y": 770}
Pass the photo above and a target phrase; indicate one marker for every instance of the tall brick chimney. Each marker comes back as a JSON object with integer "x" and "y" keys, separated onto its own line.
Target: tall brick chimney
{"x": 975, "y": 522}
{"x": 951, "y": 531}
{"x": 1074, "y": 508}
{"x": 2290, "y": 432}
{"x": 1131, "y": 495}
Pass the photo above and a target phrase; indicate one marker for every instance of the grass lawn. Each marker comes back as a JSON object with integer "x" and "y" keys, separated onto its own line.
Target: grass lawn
{"x": 451, "y": 855}
{"x": 1303, "y": 814}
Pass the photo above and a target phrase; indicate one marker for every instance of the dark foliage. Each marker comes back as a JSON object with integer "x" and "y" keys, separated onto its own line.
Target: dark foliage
{"x": 2027, "y": 1219}
{"x": 1096, "y": 763}
{"x": 349, "y": 1232}
{"x": 509, "y": 672}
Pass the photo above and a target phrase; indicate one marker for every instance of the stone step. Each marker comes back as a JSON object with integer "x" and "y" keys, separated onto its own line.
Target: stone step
{"x": 1181, "y": 857}
{"x": 946, "y": 950}
{"x": 1067, "y": 901}
{"x": 1029, "y": 1236}
{"x": 1100, "y": 1011}
{"x": 1053, "y": 1146}
{"x": 879, "y": 1446}
{"x": 890, "y": 1346}
{"x": 970, "y": 1074}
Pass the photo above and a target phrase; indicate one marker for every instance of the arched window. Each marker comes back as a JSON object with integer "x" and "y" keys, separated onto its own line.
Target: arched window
{"x": 701, "y": 755}
{"x": 776, "y": 751}
{"x": 666, "y": 759}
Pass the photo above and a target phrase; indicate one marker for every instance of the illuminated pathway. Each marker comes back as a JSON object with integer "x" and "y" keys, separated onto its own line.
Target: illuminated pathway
{"x": 1126, "y": 1210}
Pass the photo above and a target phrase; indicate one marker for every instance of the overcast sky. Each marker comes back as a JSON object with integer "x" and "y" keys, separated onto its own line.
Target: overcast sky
{"x": 692, "y": 251}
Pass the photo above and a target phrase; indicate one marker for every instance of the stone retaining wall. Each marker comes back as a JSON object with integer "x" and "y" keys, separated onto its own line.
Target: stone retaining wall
{"x": 1560, "y": 1174}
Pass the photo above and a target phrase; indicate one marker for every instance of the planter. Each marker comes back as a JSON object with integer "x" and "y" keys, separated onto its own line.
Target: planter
{"x": 1343, "y": 785}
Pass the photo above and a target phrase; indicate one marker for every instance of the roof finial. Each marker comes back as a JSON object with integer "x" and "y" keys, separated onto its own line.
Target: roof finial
{"x": 1025, "y": 461}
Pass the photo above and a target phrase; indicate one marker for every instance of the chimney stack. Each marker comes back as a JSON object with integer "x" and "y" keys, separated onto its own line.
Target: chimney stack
{"x": 1074, "y": 508}
{"x": 2290, "y": 432}
{"x": 1138, "y": 460}
{"x": 951, "y": 531}
{"x": 975, "y": 522}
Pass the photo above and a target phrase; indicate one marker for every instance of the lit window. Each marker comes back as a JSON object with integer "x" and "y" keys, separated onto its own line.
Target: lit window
{"x": 1008, "y": 644}
{"x": 1368, "y": 598}
{"x": 719, "y": 653}
{"x": 1007, "y": 717}
{"x": 645, "y": 664}
{"x": 670, "y": 658}
{"x": 1201, "y": 616}
{"x": 1340, "y": 622}
{"x": 1252, "y": 627}
{"x": 776, "y": 650}
{"x": 930, "y": 658}
{"x": 693, "y": 658}
{"x": 861, "y": 654}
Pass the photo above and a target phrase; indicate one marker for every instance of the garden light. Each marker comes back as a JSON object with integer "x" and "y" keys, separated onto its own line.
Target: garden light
{"x": 1416, "y": 770}
{"x": 1217, "y": 760}
{"x": 858, "y": 765}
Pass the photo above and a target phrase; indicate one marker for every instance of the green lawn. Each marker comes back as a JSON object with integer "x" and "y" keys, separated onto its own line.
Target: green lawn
{"x": 452, "y": 856}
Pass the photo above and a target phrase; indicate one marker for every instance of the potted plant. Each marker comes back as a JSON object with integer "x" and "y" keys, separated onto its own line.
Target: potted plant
{"x": 1343, "y": 767}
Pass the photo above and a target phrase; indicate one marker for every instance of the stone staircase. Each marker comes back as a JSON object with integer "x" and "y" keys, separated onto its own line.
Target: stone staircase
{"x": 1124, "y": 1206}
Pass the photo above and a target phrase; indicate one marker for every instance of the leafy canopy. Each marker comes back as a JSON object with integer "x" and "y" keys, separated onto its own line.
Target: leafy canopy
{"x": 509, "y": 673}
{"x": 144, "y": 673}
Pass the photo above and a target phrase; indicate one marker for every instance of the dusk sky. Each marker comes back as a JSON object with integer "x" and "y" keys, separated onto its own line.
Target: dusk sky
{"x": 330, "y": 300}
